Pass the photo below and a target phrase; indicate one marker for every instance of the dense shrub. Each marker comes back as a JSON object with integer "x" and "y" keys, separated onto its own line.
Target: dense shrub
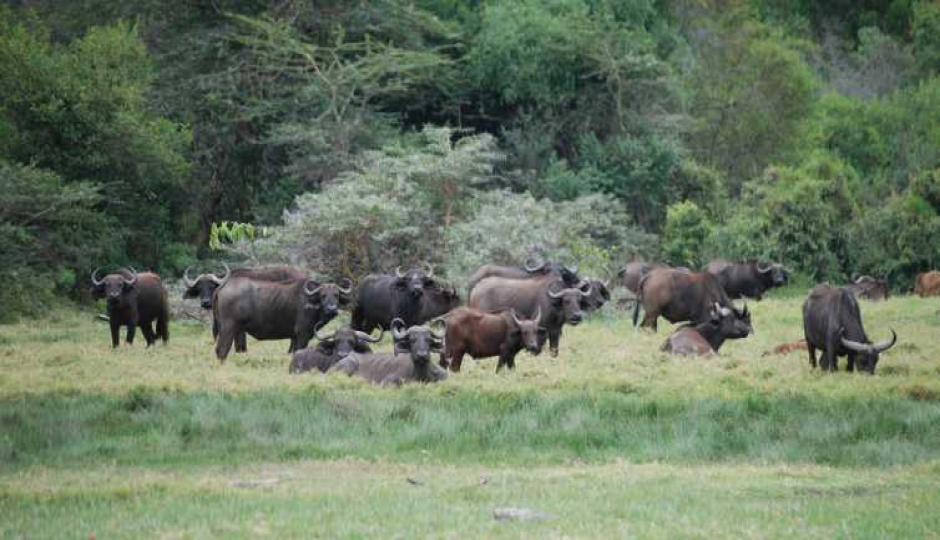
{"x": 684, "y": 235}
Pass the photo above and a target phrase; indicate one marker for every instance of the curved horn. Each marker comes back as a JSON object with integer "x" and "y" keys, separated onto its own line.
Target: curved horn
{"x": 558, "y": 294}
{"x": 349, "y": 287}
{"x": 722, "y": 310}
{"x": 367, "y": 338}
{"x": 94, "y": 280}
{"x": 764, "y": 270}
{"x": 883, "y": 346}
{"x": 571, "y": 269}
{"x": 220, "y": 280}
{"x": 856, "y": 346}
{"x": 514, "y": 318}
{"x": 533, "y": 265}
{"x": 397, "y": 326}
{"x": 429, "y": 269}
{"x": 133, "y": 273}
{"x": 186, "y": 280}
{"x": 436, "y": 322}
{"x": 398, "y": 272}
{"x": 307, "y": 287}
{"x": 322, "y": 338}
{"x": 589, "y": 290}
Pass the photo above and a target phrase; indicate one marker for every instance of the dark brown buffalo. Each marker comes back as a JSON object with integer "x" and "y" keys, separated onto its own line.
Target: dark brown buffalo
{"x": 927, "y": 284}
{"x": 548, "y": 295}
{"x": 704, "y": 339}
{"x": 832, "y": 322}
{"x": 679, "y": 296}
{"x": 203, "y": 286}
{"x": 630, "y": 275}
{"x": 438, "y": 301}
{"x": 533, "y": 268}
{"x": 411, "y": 361}
{"x": 748, "y": 278}
{"x": 785, "y": 348}
{"x": 382, "y": 298}
{"x": 599, "y": 296}
{"x": 134, "y": 300}
{"x": 331, "y": 349}
{"x": 869, "y": 288}
{"x": 275, "y": 310}
{"x": 483, "y": 334}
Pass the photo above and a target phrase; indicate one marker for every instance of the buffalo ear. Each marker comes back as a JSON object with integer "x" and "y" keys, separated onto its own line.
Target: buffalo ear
{"x": 191, "y": 292}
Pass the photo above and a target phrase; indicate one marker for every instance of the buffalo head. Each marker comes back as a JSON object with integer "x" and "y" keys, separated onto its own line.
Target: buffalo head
{"x": 345, "y": 341}
{"x": 732, "y": 323}
{"x": 774, "y": 275}
{"x": 866, "y": 354}
{"x": 571, "y": 301}
{"x": 415, "y": 281}
{"x": 418, "y": 341}
{"x": 114, "y": 287}
{"x": 327, "y": 298}
{"x": 599, "y": 296}
{"x": 528, "y": 331}
{"x": 204, "y": 286}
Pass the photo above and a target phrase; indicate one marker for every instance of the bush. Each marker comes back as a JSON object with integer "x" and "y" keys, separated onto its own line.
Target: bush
{"x": 685, "y": 234}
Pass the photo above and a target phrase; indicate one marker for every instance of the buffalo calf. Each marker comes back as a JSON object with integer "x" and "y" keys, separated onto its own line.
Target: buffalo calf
{"x": 483, "y": 334}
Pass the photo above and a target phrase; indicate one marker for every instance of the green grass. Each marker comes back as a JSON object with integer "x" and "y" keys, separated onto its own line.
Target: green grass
{"x": 612, "y": 437}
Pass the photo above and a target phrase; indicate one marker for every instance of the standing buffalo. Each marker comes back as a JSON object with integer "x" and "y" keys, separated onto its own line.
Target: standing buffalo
{"x": 483, "y": 334}
{"x": 927, "y": 284}
{"x": 869, "y": 288}
{"x": 832, "y": 322}
{"x": 548, "y": 296}
{"x": 630, "y": 275}
{"x": 532, "y": 269}
{"x": 275, "y": 309}
{"x": 678, "y": 295}
{"x": 599, "y": 296}
{"x": 437, "y": 301}
{"x": 134, "y": 300}
{"x": 410, "y": 362}
{"x": 384, "y": 297}
{"x": 332, "y": 349}
{"x": 204, "y": 286}
{"x": 748, "y": 278}
{"x": 704, "y": 339}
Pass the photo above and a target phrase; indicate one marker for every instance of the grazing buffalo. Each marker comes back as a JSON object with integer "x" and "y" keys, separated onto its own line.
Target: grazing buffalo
{"x": 704, "y": 339}
{"x": 134, "y": 300}
{"x": 869, "y": 288}
{"x": 927, "y": 284}
{"x": 410, "y": 362}
{"x": 748, "y": 278}
{"x": 785, "y": 348}
{"x": 832, "y": 322}
{"x": 332, "y": 349}
{"x": 548, "y": 296}
{"x": 678, "y": 295}
{"x": 384, "y": 297}
{"x": 275, "y": 309}
{"x": 483, "y": 334}
{"x": 532, "y": 269}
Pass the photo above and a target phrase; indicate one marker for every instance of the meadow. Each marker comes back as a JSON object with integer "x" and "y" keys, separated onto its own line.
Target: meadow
{"x": 610, "y": 438}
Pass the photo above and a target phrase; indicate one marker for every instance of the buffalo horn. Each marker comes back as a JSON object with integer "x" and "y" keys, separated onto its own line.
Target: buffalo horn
{"x": 723, "y": 311}
{"x": 399, "y": 273}
{"x": 514, "y": 318}
{"x": 349, "y": 286}
{"x": 429, "y": 269}
{"x": 366, "y": 337}
{"x": 220, "y": 280}
{"x": 572, "y": 269}
{"x": 764, "y": 269}
{"x": 533, "y": 265}
{"x": 434, "y": 323}
{"x": 133, "y": 280}
{"x": 883, "y": 346}
{"x": 307, "y": 287}
{"x": 189, "y": 283}
{"x": 322, "y": 338}
{"x": 94, "y": 277}
{"x": 398, "y": 331}
{"x": 869, "y": 348}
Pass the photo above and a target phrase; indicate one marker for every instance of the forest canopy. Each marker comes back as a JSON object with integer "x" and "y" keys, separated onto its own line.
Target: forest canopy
{"x": 357, "y": 135}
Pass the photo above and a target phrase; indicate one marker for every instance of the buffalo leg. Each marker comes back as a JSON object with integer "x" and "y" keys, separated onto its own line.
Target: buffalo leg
{"x": 850, "y": 362}
{"x": 147, "y": 330}
{"x": 812, "y": 354}
{"x": 241, "y": 342}
{"x": 224, "y": 344}
{"x": 649, "y": 320}
{"x": 131, "y": 332}
{"x": 115, "y": 332}
{"x": 456, "y": 360}
{"x": 163, "y": 328}
{"x": 511, "y": 361}
{"x": 553, "y": 339}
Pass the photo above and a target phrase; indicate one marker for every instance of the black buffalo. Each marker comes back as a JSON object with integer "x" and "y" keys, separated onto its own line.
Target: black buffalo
{"x": 679, "y": 296}
{"x": 533, "y": 268}
{"x": 410, "y": 361}
{"x": 704, "y": 339}
{"x": 331, "y": 349}
{"x": 382, "y": 298}
{"x": 599, "y": 296}
{"x": 832, "y": 322}
{"x": 748, "y": 278}
{"x": 134, "y": 300}
{"x": 549, "y": 296}
{"x": 275, "y": 309}
{"x": 204, "y": 286}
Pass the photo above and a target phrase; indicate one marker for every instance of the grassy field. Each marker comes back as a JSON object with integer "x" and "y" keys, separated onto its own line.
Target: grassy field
{"x": 611, "y": 438}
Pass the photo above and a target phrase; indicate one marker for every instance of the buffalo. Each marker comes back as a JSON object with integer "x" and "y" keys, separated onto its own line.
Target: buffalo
{"x": 786, "y": 348}
{"x": 410, "y": 362}
{"x": 483, "y": 334}
{"x": 275, "y": 309}
{"x": 331, "y": 349}
{"x": 204, "y": 286}
{"x": 382, "y": 298}
{"x": 533, "y": 268}
{"x": 869, "y": 288}
{"x": 134, "y": 300}
{"x": 437, "y": 301}
{"x": 678, "y": 295}
{"x": 548, "y": 296}
{"x": 927, "y": 284}
{"x": 599, "y": 296}
{"x": 704, "y": 339}
{"x": 630, "y": 275}
{"x": 832, "y": 322}
{"x": 748, "y": 278}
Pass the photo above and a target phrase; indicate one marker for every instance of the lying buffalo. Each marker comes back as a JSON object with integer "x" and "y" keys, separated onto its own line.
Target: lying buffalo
{"x": 548, "y": 296}
{"x": 927, "y": 284}
{"x": 786, "y": 348}
{"x": 410, "y": 362}
{"x": 384, "y": 297}
{"x": 678, "y": 295}
{"x": 531, "y": 269}
{"x": 275, "y": 309}
{"x": 832, "y": 322}
{"x": 483, "y": 334}
{"x": 748, "y": 278}
{"x": 869, "y": 288}
{"x": 331, "y": 349}
{"x": 134, "y": 300}
{"x": 704, "y": 339}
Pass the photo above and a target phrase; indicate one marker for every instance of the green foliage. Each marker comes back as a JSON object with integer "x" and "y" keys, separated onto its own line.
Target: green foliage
{"x": 925, "y": 30}
{"x": 684, "y": 235}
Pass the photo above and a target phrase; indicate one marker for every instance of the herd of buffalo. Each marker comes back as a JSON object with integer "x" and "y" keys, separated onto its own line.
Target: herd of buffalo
{"x": 508, "y": 309}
